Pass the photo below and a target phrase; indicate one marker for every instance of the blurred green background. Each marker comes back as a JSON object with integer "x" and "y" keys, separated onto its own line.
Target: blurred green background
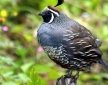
{"x": 22, "y": 60}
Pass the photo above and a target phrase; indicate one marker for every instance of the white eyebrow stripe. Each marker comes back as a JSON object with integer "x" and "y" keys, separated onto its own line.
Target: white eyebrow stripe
{"x": 52, "y": 18}
{"x": 53, "y": 12}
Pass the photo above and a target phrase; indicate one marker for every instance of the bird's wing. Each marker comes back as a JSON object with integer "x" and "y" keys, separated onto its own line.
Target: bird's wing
{"x": 79, "y": 41}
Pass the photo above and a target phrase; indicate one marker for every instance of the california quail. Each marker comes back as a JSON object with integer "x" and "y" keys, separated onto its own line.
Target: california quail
{"x": 68, "y": 43}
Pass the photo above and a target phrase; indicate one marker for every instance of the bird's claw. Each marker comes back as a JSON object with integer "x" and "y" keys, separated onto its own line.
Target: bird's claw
{"x": 66, "y": 80}
{"x": 70, "y": 74}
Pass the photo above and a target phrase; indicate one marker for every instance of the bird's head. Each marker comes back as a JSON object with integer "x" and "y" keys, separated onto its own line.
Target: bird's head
{"x": 50, "y": 13}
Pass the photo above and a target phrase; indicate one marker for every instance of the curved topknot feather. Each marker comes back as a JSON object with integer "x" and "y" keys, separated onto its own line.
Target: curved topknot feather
{"x": 59, "y": 3}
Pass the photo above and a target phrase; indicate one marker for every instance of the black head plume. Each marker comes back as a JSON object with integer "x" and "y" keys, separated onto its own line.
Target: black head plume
{"x": 59, "y": 3}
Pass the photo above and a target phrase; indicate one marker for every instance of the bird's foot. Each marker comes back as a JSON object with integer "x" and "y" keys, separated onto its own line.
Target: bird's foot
{"x": 69, "y": 73}
{"x": 76, "y": 76}
{"x": 64, "y": 80}
{"x": 68, "y": 79}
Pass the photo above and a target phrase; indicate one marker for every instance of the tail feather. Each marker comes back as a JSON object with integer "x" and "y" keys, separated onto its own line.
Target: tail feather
{"x": 104, "y": 64}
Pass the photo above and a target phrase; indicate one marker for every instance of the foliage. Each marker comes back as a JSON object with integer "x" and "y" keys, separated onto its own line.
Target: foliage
{"x": 22, "y": 60}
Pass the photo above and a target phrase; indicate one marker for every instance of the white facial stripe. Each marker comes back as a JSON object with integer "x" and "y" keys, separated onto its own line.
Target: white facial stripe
{"x": 52, "y": 18}
{"x": 53, "y": 12}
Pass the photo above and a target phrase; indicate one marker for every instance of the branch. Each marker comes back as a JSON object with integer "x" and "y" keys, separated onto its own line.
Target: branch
{"x": 72, "y": 80}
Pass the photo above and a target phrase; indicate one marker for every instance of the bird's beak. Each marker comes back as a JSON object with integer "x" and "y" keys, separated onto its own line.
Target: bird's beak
{"x": 40, "y": 14}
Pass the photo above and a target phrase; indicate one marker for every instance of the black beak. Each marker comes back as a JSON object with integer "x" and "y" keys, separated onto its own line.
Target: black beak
{"x": 40, "y": 14}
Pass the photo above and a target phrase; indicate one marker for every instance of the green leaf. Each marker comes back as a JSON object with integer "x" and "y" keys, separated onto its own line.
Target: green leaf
{"x": 21, "y": 51}
{"x": 41, "y": 68}
{"x": 105, "y": 9}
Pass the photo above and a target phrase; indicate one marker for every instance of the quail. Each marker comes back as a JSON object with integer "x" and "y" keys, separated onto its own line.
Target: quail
{"x": 68, "y": 43}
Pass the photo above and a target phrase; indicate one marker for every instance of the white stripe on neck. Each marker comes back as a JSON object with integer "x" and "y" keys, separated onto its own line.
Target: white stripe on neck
{"x": 52, "y": 18}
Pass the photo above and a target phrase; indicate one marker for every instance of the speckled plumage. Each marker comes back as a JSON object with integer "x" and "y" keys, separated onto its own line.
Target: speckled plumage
{"x": 69, "y": 44}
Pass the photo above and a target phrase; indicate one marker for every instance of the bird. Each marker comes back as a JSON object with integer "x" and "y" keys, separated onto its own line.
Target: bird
{"x": 68, "y": 43}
